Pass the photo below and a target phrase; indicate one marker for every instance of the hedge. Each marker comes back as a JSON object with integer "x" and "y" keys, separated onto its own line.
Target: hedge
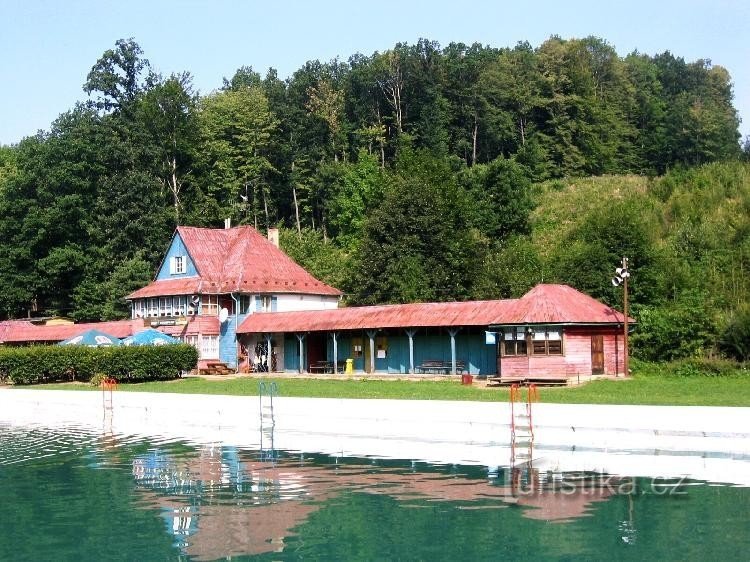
{"x": 37, "y": 364}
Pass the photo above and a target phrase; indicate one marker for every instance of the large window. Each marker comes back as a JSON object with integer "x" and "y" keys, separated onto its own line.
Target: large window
{"x": 139, "y": 308}
{"x": 209, "y": 305}
{"x": 546, "y": 340}
{"x": 514, "y": 341}
{"x": 209, "y": 347}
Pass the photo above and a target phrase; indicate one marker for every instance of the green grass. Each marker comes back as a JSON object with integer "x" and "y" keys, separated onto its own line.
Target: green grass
{"x": 641, "y": 389}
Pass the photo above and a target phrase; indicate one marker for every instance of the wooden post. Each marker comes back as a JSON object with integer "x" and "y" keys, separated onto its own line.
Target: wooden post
{"x": 371, "y": 335}
{"x": 453, "y": 332}
{"x": 335, "y": 354}
{"x": 268, "y": 353}
{"x": 301, "y": 337}
{"x": 410, "y": 332}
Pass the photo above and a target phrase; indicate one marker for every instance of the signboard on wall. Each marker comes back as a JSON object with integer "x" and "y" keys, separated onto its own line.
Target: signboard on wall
{"x": 156, "y": 322}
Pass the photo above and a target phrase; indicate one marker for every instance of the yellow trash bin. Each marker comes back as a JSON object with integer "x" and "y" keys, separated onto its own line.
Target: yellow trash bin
{"x": 349, "y": 366}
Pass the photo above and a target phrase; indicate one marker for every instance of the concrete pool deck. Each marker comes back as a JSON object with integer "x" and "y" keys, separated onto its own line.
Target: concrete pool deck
{"x": 707, "y": 443}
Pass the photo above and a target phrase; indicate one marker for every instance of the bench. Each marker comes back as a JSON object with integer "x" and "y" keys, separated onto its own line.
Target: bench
{"x": 326, "y": 367}
{"x": 526, "y": 381}
{"x": 440, "y": 367}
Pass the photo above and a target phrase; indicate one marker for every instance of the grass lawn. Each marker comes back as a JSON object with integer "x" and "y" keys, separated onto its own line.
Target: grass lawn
{"x": 641, "y": 389}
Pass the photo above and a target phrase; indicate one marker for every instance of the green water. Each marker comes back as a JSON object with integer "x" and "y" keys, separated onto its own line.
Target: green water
{"x": 71, "y": 495}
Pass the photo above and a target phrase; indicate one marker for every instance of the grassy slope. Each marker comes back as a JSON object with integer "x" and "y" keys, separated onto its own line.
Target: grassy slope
{"x": 683, "y": 391}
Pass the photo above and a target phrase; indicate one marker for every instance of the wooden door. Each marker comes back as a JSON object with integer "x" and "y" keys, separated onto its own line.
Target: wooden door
{"x": 597, "y": 355}
{"x": 316, "y": 348}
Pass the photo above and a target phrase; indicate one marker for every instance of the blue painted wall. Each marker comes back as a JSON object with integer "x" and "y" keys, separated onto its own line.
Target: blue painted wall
{"x": 177, "y": 248}
{"x": 291, "y": 353}
{"x": 479, "y": 357}
{"x": 228, "y": 342}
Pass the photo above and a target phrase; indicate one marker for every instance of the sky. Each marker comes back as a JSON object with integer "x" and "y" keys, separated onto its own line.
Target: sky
{"x": 47, "y": 47}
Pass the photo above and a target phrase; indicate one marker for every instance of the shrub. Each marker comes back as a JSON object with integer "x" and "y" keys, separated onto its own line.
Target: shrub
{"x": 735, "y": 338}
{"x": 36, "y": 364}
{"x": 696, "y": 367}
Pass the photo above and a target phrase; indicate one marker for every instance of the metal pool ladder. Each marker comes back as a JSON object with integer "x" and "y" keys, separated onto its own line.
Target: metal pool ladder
{"x": 522, "y": 424}
{"x": 266, "y": 392}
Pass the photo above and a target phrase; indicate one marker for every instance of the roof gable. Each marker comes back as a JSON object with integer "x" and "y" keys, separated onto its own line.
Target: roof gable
{"x": 229, "y": 260}
{"x": 176, "y": 248}
{"x": 559, "y": 304}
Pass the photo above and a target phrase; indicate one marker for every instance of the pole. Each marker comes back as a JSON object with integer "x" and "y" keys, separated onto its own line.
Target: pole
{"x": 625, "y": 312}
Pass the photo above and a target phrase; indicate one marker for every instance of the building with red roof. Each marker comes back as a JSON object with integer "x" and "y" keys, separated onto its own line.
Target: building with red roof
{"x": 212, "y": 279}
{"x": 244, "y": 303}
{"x": 553, "y": 331}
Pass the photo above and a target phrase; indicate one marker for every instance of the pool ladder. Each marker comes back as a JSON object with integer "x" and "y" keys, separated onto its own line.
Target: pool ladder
{"x": 521, "y": 425}
{"x": 266, "y": 393}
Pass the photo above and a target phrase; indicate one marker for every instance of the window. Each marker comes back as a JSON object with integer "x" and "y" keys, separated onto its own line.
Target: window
{"x": 165, "y": 306}
{"x": 514, "y": 341}
{"x": 139, "y": 308}
{"x": 192, "y": 340}
{"x": 177, "y": 265}
{"x": 153, "y": 307}
{"x": 179, "y": 306}
{"x": 209, "y": 347}
{"x": 381, "y": 347}
{"x": 209, "y": 305}
{"x": 246, "y": 302}
{"x": 357, "y": 348}
{"x": 547, "y": 341}
{"x": 266, "y": 303}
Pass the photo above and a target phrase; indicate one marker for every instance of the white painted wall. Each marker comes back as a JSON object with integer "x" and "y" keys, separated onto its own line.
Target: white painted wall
{"x": 660, "y": 441}
{"x": 289, "y": 303}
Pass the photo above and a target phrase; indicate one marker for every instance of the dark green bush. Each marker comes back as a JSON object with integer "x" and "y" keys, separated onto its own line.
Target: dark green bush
{"x": 36, "y": 364}
{"x": 697, "y": 367}
{"x": 735, "y": 338}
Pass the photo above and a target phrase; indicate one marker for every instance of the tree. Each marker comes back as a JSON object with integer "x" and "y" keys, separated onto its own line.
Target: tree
{"x": 236, "y": 127}
{"x": 327, "y": 103}
{"x": 502, "y": 192}
{"x": 361, "y": 186}
{"x": 169, "y": 110}
{"x": 116, "y": 76}
{"x": 418, "y": 244}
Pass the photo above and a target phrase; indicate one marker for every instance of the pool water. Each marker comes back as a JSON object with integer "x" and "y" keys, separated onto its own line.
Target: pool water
{"x": 77, "y": 494}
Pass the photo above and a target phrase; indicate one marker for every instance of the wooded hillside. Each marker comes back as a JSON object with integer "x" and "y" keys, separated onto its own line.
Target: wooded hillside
{"x": 420, "y": 173}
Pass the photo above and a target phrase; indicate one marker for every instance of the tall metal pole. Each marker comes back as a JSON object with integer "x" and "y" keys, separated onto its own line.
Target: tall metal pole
{"x": 625, "y": 312}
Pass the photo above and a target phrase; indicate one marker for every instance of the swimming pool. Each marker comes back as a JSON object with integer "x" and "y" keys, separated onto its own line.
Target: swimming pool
{"x": 152, "y": 477}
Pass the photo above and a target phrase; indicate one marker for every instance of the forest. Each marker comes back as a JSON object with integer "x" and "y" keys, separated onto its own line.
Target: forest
{"x": 420, "y": 173}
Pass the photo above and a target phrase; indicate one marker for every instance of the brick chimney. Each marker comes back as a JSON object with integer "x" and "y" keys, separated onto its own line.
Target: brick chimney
{"x": 273, "y": 236}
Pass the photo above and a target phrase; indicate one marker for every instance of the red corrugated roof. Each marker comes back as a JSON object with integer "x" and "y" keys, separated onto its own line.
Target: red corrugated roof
{"x": 208, "y": 325}
{"x": 237, "y": 260}
{"x": 545, "y": 304}
{"x": 20, "y": 332}
{"x": 472, "y": 313}
{"x": 559, "y": 304}
{"x": 182, "y": 286}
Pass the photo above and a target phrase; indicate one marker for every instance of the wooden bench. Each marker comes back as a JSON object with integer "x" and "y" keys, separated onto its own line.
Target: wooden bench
{"x": 526, "y": 381}
{"x": 440, "y": 367}
{"x": 326, "y": 367}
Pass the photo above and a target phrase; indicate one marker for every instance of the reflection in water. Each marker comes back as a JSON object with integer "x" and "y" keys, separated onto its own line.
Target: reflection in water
{"x": 169, "y": 500}
{"x": 219, "y": 501}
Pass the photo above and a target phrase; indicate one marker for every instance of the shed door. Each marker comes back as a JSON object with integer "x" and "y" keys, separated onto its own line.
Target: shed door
{"x": 597, "y": 355}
